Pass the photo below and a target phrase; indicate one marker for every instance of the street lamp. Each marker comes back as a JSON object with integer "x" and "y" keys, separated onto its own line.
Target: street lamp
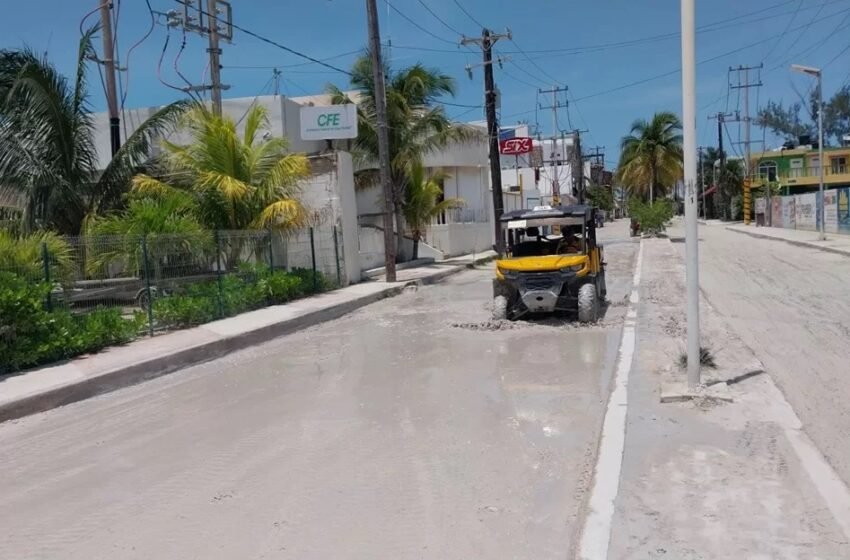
{"x": 816, "y": 72}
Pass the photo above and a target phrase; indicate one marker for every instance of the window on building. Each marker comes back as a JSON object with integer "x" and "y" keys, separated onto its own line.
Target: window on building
{"x": 797, "y": 167}
{"x": 839, "y": 165}
{"x": 768, "y": 171}
{"x": 814, "y": 166}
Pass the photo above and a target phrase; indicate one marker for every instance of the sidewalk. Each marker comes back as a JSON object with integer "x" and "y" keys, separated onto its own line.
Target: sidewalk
{"x": 835, "y": 242}
{"x": 86, "y": 376}
{"x": 710, "y": 479}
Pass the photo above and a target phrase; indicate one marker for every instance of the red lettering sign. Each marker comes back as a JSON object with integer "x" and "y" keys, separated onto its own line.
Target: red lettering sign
{"x": 515, "y": 146}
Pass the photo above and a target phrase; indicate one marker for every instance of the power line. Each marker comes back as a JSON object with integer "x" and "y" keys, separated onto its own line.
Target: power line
{"x": 274, "y": 43}
{"x": 441, "y": 20}
{"x": 787, "y": 27}
{"x": 470, "y": 16}
{"x": 415, "y": 24}
{"x": 678, "y": 70}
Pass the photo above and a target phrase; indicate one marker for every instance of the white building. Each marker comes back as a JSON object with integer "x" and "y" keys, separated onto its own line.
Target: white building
{"x": 331, "y": 187}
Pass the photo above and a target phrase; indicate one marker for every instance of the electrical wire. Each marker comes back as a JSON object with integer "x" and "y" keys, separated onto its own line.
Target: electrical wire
{"x": 678, "y": 70}
{"x": 268, "y": 41}
{"x": 176, "y": 66}
{"x": 438, "y": 18}
{"x": 415, "y": 24}
{"x": 803, "y": 31}
{"x": 85, "y": 17}
{"x": 159, "y": 64}
{"x": 528, "y": 58}
{"x": 130, "y": 52}
{"x": 469, "y": 15}
{"x": 781, "y": 35}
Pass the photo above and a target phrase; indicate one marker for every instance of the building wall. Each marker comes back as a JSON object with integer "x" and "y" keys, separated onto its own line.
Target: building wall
{"x": 460, "y": 239}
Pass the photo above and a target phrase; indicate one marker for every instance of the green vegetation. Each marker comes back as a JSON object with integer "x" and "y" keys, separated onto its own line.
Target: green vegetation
{"x": 651, "y": 156}
{"x": 225, "y": 181}
{"x": 32, "y": 335}
{"x": 48, "y": 158}
{"x": 653, "y": 217}
{"x": 253, "y": 287}
{"x": 601, "y": 197}
{"x": 420, "y": 202}
{"x": 417, "y": 126}
{"x": 787, "y": 122}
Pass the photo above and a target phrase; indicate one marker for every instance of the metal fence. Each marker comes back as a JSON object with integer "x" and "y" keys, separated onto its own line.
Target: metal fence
{"x": 169, "y": 281}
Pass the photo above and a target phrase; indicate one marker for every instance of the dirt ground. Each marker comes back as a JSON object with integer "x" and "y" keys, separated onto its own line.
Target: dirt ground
{"x": 404, "y": 430}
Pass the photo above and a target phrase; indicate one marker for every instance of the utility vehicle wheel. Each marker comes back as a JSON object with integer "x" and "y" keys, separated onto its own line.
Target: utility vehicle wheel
{"x": 500, "y": 308}
{"x": 588, "y": 304}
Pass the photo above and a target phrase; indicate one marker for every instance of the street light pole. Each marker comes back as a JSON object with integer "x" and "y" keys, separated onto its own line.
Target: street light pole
{"x": 818, "y": 73}
{"x": 689, "y": 130}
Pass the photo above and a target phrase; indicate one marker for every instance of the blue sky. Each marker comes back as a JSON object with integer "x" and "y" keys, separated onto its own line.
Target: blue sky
{"x": 598, "y": 49}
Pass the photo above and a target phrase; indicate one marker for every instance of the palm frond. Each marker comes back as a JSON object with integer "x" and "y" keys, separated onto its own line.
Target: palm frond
{"x": 282, "y": 214}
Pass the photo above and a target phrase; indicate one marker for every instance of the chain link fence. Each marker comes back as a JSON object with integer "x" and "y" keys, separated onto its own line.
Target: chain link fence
{"x": 171, "y": 281}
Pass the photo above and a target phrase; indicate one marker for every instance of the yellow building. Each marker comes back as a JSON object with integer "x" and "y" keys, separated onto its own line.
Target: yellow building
{"x": 798, "y": 170}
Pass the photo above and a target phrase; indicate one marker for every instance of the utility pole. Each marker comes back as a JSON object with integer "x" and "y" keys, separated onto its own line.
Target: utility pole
{"x": 214, "y": 52}
{"x": 689, "y": 132}
{"x": 556, "y": 104}
{"x": 208, "y": 22}
{"x": 383, "y": 137}
{"x": 109, "y": 66}
{"x": 486, "y": 43}
{"x": 745, "y": 85}
{"x": 720, "y": 120}
{"x": 578, "y": 165}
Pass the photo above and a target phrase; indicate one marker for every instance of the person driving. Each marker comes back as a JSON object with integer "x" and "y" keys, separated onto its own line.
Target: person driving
{"x": 570, "y": 243}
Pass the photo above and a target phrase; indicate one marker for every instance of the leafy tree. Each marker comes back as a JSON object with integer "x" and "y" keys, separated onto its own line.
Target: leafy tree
{"x": 601, "y": 197}
{"x": 651, "y": 155}
{"x": 234, "y": 182}
{"x": 653, "y": 216}
{"x": 420, "y": 202}
{"x": 791, "y": 122}
{"x": 48, "y": 158}
{"x": 417, "y": 126}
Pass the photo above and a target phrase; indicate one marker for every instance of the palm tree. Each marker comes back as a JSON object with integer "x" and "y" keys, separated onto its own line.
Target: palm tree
{"x": 420, "y": 202}
{"x": 25, "y": 255}
{"x": 651, "y": 155}
{"x": 416, "y": 125}
{"x": 167, "y": 223}
{"x": 48, "y": 159}
{"x": 235, "y": 182}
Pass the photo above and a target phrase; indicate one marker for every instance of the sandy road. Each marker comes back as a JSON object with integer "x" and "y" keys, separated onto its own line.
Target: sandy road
{"x": 789, "y": 305}
{"x": 390, "y": 433}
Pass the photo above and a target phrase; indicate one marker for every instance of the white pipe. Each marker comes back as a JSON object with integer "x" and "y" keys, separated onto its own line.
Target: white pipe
{"x": 689, "y": 130}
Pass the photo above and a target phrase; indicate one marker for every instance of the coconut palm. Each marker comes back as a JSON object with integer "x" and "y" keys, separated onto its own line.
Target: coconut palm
{"x": 417, "y": 126}
{"x": 651, "y": 155}
{"x": 48, "y": 158}
{"x": 25, "y": 255}
{"x": 421, "y": 204}
{"x": 235, "y": 181}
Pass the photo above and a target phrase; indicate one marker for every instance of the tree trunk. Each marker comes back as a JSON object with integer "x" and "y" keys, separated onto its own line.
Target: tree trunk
{"x": 651, "y": 184}
{"x": 416, "y": 237}
{"x": 399, "y": 224}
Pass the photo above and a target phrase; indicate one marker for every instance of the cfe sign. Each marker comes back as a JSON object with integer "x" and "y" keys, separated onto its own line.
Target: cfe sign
{"x": 329, "y": 123}
{"x": 515, "y": 146}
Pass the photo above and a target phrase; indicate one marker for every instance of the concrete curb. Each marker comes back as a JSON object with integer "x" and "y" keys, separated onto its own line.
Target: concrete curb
{"x": 158, "y": 366}
{"x": 807, "y": 244}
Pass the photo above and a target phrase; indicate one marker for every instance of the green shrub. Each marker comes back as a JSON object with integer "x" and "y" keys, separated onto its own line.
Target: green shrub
{"x": 654, "y": 217}
{"x": 30, "y": 335}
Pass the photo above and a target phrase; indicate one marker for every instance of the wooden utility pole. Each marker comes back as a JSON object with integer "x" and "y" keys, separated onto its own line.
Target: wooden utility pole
{"x": 109, "y": 67}
{"x": 486, "y": 43}
{"x": 215, "y": 54}
{"x": 556, "y": 161}
{"x": 383, "y": 137}
{"x": 578, "y": 165}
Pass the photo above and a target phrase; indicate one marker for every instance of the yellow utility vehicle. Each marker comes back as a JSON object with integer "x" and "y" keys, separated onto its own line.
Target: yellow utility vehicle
{"x": 553, "y": 262}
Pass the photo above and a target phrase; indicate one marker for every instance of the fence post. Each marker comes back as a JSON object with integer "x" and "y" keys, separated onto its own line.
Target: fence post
{"x": 147, "y": 270}
{"x": 45, "y": 257}
{"x": 218, "y": 273}
{"x": 313, "y": 256}
{"x": 336, "y": 254}
{"x": 271, "y": 251}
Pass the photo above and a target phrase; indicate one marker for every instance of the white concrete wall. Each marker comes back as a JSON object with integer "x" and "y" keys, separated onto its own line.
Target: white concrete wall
{"x": 460, "y": 239}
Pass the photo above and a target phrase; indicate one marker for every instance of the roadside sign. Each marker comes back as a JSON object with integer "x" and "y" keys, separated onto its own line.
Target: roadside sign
{"x": 515, "y": 146}
{"x": 329, "y": 123}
